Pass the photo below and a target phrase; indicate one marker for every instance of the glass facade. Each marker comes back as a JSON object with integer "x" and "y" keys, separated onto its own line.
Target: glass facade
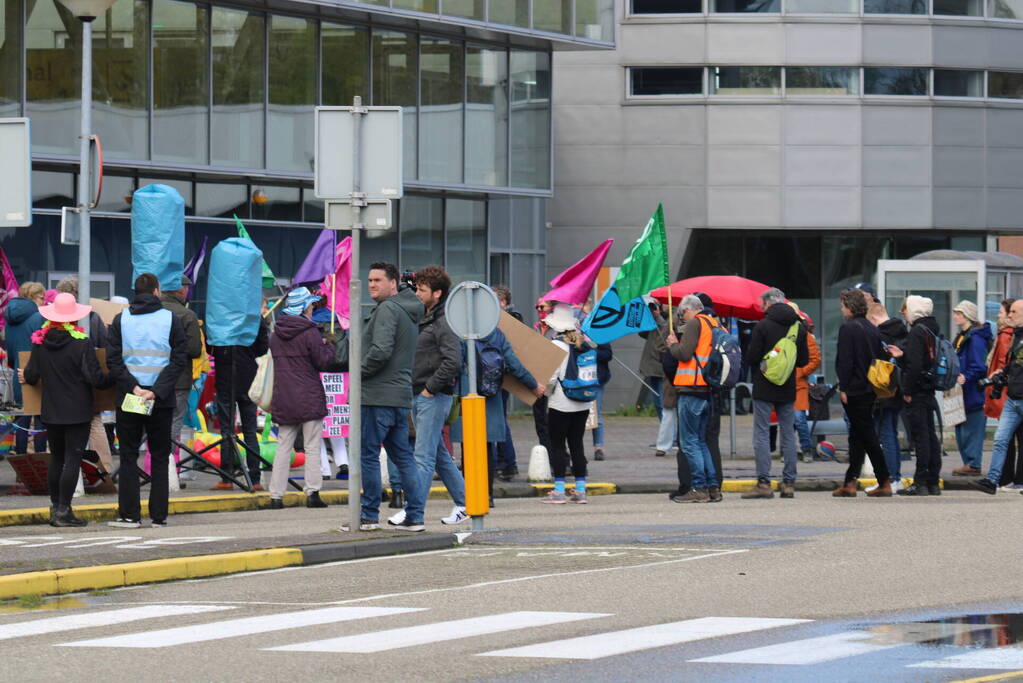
{"x": 238, "y": 115}
{"x": 486, "y": 116}
{"x": 395, "y": 82}
{"x": 746, "y": 80}
{"x": 894, "y": 81}
{"x": 530, "y": 119}
{"x": 821, "y": 80}
{"x": 120, "y": 80}
{"x": 53, "y": 59}
{"x": 10, "y": 58}
{"x": 441, "y": 72}
{"x": 293, "y": 93}
{"x": 180, "y": 82}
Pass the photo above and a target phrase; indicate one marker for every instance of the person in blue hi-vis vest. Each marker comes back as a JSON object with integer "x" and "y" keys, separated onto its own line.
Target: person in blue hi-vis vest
{"x": 146, "y": 355}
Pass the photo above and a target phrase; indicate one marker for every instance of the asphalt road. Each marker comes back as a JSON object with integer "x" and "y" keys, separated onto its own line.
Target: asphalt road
{"x": 623, "y": 588}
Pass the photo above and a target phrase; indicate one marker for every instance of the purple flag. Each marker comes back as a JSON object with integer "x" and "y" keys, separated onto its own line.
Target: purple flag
{"x": 319, "y": 263}
{"x": 193, "y": 267}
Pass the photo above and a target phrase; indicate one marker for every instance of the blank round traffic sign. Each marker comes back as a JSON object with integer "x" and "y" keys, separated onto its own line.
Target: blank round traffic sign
{"x": 472, "y": 310}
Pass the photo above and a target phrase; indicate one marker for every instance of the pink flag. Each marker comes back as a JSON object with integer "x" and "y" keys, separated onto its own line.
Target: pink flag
{"x": 10, "y": 287}
{"x": 335, "y": 285}
{"x": 575, "y": 285}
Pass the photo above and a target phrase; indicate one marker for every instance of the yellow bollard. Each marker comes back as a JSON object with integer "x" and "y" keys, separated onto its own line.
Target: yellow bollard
{"x": 474, "y": 455}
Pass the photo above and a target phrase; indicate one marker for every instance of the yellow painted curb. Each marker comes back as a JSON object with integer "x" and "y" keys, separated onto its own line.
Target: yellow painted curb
{"x": 596, "y": 488}
{"x": 1007, "y": 676}
{"x": 130, "y": 573}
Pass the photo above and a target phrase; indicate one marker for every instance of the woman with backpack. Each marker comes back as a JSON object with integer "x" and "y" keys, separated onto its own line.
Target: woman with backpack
{"x": 971, "y": 345}
{"x": 574, "y": 379}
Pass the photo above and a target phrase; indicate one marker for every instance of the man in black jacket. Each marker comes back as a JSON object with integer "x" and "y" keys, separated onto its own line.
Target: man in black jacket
{"x": 918, "y": 395}
{"x": 147, "y": 348}
{"x": 859, "y": 345}
{"x": 780, "y": 320}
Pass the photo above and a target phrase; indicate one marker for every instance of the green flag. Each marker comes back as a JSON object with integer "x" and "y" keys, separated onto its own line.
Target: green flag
{"x": 268, "y": 275}
{"x": 646, "y": 266}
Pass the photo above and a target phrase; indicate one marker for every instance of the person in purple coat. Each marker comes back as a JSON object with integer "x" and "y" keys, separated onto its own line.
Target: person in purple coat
{"x": 972, "y": 345}
{"x": 300, "y": 354}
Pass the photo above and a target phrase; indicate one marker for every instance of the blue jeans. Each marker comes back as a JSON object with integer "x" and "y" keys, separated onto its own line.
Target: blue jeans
{"x": 431, "y": 454}
{"x": 1012, "y": 418}
{"x": 388, "y": 427}
{"x": 803, "y": 429}
{"x": 598, "y": 433}
{"x": 393, "y": 475}
{"x": 970, "y": 438}
{"x": 762, "y": 440}
{"x": 886, "y": 422}
{"x": 693, "y": 415}
{"x": 657, "y": 383}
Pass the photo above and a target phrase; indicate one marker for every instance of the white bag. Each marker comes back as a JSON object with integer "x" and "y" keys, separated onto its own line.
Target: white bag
{"x": 953, "y": 410}
{"x": 261, "y": 391}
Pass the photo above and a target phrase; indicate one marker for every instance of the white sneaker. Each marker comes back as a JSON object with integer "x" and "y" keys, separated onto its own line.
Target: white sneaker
{"x": 363, "y": 526}
{"x": 871, "y": 488}
{"x": 122, "y": 523}
{"x": 457, "y": 516}
{"x": 397, "y": 518}
{"x": 897, "y": 485}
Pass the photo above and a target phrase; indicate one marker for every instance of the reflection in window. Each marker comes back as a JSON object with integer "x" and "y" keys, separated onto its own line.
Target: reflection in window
{"x": 292, "y": 93}
{"x": 470, "y": 9}
{"x": 345, "y": 54}
{"x": 417, "y": 5}
{"x": 510, "y": 12}
{"x": 180, "y": 81}
{"x": 763, "y": 6}
{"x": 117, "y": 193}
{"x": 746, "y": 80}
{"x": 958, "y": 83}
{"x": 822, "y": 6}
{"x": 53, "y": 65}
{"x": 441, "y": 83}
{"x": 821, "y": 80}
{"x": 312, "y": 207}
{"x": 238, "y": 62}
{"x": 1005, "y": 9}
{"x": 486, "y": 116}
{"x": 552, "y": 15}
{"x": 895, "y": 6}
{"x": 52, "y": 190}
{"x": 1007, "y": 84}
{"x": 666, "y": 6}
{"x": 10, "y": 57}
{"x": 666, "y": 80}
{"x": 594, "y": 19}
{"x": 530, "y": 119}
{"x": 422, "y": 232}
{"x": 466, "y": 223}
{"x": 961, "y": 8}
{"x": 894, "y": 81}
{"x": 120, "y": 80}
{"x": 394, "y": 82}
{"x": 221, "y": 200}
{"x": 184, "y": 188}
{"x": 276, "y": 203}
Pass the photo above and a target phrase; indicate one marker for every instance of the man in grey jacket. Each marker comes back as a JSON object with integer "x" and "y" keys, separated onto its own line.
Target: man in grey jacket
{"x": 388, "y": 349}
{"x": 436, "y": 368}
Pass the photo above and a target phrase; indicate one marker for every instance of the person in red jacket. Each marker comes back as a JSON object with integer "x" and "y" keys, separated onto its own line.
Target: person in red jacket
{"x": 1012, "y": 473}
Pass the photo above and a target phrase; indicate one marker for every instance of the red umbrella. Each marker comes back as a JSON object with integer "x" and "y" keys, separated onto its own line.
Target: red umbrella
{"x": 734, "y": 296}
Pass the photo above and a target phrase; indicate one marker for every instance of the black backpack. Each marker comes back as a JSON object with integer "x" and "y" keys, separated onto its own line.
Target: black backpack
{"x": 489, "y": 368}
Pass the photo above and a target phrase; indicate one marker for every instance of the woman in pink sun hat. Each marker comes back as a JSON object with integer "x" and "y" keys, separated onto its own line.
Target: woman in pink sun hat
{"x": 64, "y": 361}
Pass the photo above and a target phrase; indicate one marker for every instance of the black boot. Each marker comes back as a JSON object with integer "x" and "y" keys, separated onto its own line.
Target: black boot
{"x": 397, "y": 500}
{"x": 313, "y": 500}
{"x": 64, "y": 516}
{"x": 53, "y": 515}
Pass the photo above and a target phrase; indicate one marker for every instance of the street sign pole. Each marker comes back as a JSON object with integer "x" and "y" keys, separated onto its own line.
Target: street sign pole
{"x": 355, "y": 326}
{"x": 84, "y": 186}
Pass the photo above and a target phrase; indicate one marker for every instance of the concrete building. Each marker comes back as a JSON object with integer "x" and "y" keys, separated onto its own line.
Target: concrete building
{"x": 216, "y": 99}
{"x": 793, "y": 141}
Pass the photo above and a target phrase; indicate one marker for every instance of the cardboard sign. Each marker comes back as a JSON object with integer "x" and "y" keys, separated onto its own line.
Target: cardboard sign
{"x": 106, "y": 310}
{"x": 32, "y": 395}
{"x": 538, "y": 354}
{"x": 335, "y": 386}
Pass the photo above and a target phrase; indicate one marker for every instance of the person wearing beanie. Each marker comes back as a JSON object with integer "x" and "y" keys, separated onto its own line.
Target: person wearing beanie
{"x": 972, "y": 345}
{"x": 918, "y": 395}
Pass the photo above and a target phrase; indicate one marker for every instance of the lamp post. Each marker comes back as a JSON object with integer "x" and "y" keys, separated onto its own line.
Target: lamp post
{"x": 86, "y": 11}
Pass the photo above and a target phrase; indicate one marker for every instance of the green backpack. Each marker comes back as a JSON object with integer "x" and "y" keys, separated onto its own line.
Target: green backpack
{"x": 780, "y": 361}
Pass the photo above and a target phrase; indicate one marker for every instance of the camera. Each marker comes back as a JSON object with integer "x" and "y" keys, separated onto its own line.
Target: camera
{"x": 997, "y": 383}
{"x": 407, "y": 279}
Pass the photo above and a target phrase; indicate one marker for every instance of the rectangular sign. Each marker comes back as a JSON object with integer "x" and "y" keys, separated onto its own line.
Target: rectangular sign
{"x": 32, "y": 395}
{"x": 15, "y": 173}
{"x": 380, "y": 152}
{"x": 335, "y": 386}
{"x": 538, "y": 354}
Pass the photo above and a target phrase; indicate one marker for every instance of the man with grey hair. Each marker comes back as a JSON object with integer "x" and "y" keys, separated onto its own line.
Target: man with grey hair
{"x": 775, "y": 394}
{"x": 693, "y": 406}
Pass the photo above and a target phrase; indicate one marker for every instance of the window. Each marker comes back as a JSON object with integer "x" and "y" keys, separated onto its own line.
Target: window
{"x": 1005, "y": 9}
{"x": 292, "y": 66}
{"x": 465, "y": 221}
{"x": 10, "y": 57}
{"x": 510, "y": 12}
{"x": 961, "y": 8}
{"x": 894, "y": 81}
{"x": 271, "y": 203}
{"x": 1005, "y": 84}
{"x": 666, "y": 6}
{"x": 895, "y": 6}
{"x": 345, "y": 54}
{"x": 184, "y": 188}
{"x": 53, "y": 65}
{"x": 594, "y": 19}
{"x": 552, "y": 15}
{"x": 101, "y": 285}
{"x": 417, "y": 5}
{"x": 470, "y": 9}
{"x": 395, "y": 60}
{"x": 120, "y": 84}
{"x": 530, "y": 119}
{"x": 441, "y": 82}
{"x": 821, "y": 80}
{"x": 221, "y": 200}
{"x": 238, "y": 93}
{"x": 822, "y": 7}
{"x": 51, "y": 190}
{"x": 486, "y": 116}
{"x": 422, "y": 232}
{"x": 746, "y": 80}
{"x": 762, "y": 6}
{"x": 666, "y": 80}
{"x": 958, "y": 83}
{"x": 117, "y": 193}
{"x": 180, "y": 81}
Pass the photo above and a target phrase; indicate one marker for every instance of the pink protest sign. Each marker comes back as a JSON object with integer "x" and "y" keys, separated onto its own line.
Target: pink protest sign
{"x": 335, "y": 386}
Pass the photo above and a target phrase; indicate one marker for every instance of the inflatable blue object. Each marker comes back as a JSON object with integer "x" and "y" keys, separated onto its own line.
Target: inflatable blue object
{"x": 234, "y": 293}
{"x": 158, "y": 234}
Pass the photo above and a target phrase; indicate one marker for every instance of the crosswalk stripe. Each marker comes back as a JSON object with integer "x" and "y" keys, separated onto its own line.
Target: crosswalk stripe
{"x": 71, "y": 622}
{"x": 644, "y": 638}
{"x": 438, "y": 632}
{"x": 992, "y": 658}
{"x": 241, "y": 627}
{"x": 808, "y": 651}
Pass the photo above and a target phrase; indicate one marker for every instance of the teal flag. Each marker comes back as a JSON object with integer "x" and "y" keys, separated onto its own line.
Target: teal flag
{"x": 612, "y": 318}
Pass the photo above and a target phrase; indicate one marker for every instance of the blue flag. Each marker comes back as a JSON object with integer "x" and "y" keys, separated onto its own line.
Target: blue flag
{"x": 611, "y": 319}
